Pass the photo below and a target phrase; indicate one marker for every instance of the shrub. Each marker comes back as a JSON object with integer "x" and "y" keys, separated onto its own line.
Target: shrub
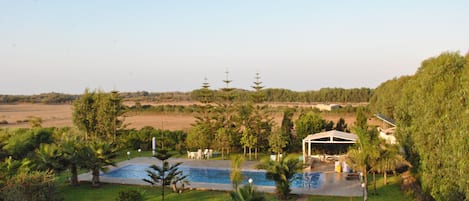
{"x": 37, "y": 186}
{"x": 129, "y": 195}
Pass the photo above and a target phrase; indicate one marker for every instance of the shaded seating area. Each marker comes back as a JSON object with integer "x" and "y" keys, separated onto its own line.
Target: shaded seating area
{"x": 329, "y": 143}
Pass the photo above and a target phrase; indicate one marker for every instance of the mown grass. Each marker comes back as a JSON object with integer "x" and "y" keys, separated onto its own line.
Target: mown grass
{"x": 109, "y": 192}
{"x": 389, "y": 192}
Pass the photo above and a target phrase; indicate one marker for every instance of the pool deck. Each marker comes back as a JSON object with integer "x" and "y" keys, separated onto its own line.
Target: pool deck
{"x": 332, "y": 184}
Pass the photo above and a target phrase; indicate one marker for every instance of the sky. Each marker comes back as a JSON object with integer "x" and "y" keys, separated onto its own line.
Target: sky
{"x": 164, "y": 46}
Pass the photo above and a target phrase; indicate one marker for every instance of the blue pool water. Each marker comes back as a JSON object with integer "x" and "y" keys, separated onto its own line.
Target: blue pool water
{"x": 217, "y": 175}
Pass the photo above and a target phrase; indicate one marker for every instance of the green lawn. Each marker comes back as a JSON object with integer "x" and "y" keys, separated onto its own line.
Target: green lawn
{"x": 109, "y": 192}
{"x": 390, "y": 192}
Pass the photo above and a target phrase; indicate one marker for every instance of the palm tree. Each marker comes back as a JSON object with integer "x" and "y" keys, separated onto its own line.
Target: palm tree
{"x": 10, "y": 167}
{"x": 98, "y": 155}
{"x": 236, "y": 177}
{"x": 71, "y": 148}
{"x": 166, "y": 174}
{"x": 282, "y": 172}
{"x": 247, "y": 193}
{"x": 49, "y": 157}
{"x": 389, "y": 160}
{"x": 364, "y": 153}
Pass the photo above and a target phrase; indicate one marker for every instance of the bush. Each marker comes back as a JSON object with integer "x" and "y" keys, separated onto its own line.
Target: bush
{"x": 142, "y": 139}
{"x": 37, "y": 186}
{"x": 129, "y": 195}
{"x": 24, "y": 141}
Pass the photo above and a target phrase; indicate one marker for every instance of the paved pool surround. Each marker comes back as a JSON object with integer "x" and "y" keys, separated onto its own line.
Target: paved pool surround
{"x": 333, "y": 183}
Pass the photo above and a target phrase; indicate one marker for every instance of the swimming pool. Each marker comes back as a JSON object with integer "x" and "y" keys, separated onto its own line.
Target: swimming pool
{"x": 217, "y": 175}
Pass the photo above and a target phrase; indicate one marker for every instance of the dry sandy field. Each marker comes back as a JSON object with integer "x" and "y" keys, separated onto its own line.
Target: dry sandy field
{"x": 61, "y": 116}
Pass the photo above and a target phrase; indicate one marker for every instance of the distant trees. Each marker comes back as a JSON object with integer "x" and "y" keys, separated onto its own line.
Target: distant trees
{"x": 354, "y": 95}
{"x": 46, "y": 98}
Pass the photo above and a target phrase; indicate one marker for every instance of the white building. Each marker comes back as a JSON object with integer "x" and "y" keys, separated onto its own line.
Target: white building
{"x": 327, "y": 107}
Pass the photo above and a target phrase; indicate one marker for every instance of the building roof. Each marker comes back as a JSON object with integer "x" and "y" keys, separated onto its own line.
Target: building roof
{"x": 332, "y": 136}
{"x": 385, "y": 119}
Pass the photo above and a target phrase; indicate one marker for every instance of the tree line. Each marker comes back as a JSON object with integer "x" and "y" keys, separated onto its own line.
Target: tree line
{"x": 431, "y": 112}
{"x": 335, "y": 95}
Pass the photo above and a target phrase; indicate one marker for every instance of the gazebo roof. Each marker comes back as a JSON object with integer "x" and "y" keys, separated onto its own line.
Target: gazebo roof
{"x": 331, "y": 137}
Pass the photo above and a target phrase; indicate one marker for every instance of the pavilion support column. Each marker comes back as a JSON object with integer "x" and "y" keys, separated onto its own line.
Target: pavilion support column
{"x": 304, "y": 151}
{"x": 309, "y": 148}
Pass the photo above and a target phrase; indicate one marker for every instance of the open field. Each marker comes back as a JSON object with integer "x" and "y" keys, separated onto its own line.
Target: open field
{"x": 51, "y": 115}
{"x": 61, "y": 116}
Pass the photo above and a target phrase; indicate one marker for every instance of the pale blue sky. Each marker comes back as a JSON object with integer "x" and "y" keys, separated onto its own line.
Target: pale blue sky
{"x": 66, "y": 46}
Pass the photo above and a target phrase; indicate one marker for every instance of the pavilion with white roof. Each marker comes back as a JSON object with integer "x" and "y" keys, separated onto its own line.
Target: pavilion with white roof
{"x": 328, "y": 137}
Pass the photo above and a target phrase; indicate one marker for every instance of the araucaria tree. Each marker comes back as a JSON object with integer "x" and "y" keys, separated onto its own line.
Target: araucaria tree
{"x": 166, "y": 174}
{"x": 225, "y": 134}
{"x": 203, "y": 130}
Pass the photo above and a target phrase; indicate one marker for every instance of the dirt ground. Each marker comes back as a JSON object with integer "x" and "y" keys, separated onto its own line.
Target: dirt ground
{"x": 61, "y": 116}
